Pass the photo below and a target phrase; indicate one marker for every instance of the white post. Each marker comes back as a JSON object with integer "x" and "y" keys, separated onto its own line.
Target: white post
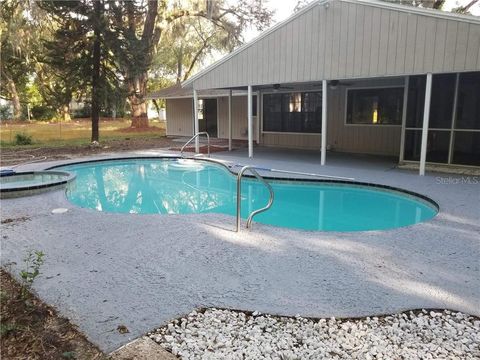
{"x": 230, "y": 120}
{"x": 250, "y": 122}
{"x": 258, "y": 118}
{"x": 324, "y": 123}
{"x": 426, "y": 118}
{"x": 196, "y": 125}
{"x": 404, "y": 118}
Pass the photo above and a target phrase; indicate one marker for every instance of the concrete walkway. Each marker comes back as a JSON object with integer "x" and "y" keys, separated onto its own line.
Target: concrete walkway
{"x": 105, "y": 270}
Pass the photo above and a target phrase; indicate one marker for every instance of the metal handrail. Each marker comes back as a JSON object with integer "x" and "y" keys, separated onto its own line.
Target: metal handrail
{"x": 300, "y": 173}
{"x": 239, "y": 196}
{"x": 193, "y": 138}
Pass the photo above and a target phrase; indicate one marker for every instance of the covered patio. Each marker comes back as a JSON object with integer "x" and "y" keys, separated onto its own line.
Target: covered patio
{"x": 399, "y": 81}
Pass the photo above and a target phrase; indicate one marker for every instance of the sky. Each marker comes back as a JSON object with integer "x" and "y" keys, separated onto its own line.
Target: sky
{"x": 284, "y": 8}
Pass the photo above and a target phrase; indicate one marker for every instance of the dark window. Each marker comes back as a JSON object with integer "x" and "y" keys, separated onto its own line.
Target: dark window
{"x": 465, "y": 137}
{"x": 468, "y": 102}
{"x": 293, "y": 112}
{"x": 441, "y": 107}
{"x": 416, "y": 101}
{"x": 413, "y": 143}
{"x": 466, "y": 148}
{"x": 437, "y": 146}
{"x": 375, "y": 106}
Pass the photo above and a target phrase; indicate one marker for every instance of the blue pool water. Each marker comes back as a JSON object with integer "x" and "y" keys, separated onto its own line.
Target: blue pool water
{"x": 177, "y": 186}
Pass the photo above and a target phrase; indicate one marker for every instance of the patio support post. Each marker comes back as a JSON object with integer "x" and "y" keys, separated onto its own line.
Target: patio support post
{"x": 230, "y": 120}
{"x": 426, "y": 118}
{"x": 404, "y": 118}
{"x": 250, "y": 122}
{"x": 195, "y": 116}
{"x": 324, "y": 123}
{"x": 258, "y": 118}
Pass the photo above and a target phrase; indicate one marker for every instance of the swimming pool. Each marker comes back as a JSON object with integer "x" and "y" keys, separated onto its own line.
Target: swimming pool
{"x": 13, "y": 184}
{"x": 179, "y": 186}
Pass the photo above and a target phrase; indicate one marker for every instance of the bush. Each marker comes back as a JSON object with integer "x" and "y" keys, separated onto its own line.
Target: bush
{"x": 42, "y": 112}
{"x": 5, "y": 112}
{"x": 83, "y": 112}
{"x": 23, "y": 139}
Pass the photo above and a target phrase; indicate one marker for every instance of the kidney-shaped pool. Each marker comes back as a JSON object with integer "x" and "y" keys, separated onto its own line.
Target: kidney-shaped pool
{"x": 178, "y": 186}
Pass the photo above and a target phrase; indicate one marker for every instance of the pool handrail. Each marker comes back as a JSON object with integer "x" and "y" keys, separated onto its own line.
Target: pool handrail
{"x": 300, "y": 173}
{"x": 193, "y": 138}
{"x": 239, "y": 196}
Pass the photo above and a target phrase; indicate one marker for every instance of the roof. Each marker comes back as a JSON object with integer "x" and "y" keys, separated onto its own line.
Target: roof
{"x": 178, "y": 92}
{"x": 357, "y": 15}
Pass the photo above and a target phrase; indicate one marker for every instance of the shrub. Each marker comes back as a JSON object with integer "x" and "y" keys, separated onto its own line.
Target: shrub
{"x": 42, "y": 112}
{"x": 5, "y": 112}
{"x": 33, "y": 262}
{"x": 83, "y": 112}
{"x": 23, "y": 139}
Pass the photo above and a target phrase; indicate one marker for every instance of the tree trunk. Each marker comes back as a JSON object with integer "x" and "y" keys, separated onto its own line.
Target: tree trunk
{"x": 65, "y": 112}
{"x": 17, "y": 108}
{"x": 137, "y": 88}
{"x": 96, "y": 72}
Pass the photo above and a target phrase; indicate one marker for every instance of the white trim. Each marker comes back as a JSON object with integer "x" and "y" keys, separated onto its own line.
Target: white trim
{"x": 426, "y": 120}
{"x": 191, "y": 96}
{"x": 196, "y": 123}
{"x": 218, "y": 119}
{"x": 323, "y": 145}
{"x": 250, "y": 121}
{"x": 404, "y": 117}
{"x": 378, "y": 125}
{"x": 257, "y": 117}
{"x": 230, "y": 120}
{"x": 454, "y": 115}
{"x": 416, "y": 10}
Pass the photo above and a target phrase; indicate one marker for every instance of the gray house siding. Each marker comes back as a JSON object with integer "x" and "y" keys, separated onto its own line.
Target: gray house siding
{"x": 382, "y": 140}
{"x": 179, "y": 117}
{"x": 239, "y": 117}
{"x": 351, "y": 40}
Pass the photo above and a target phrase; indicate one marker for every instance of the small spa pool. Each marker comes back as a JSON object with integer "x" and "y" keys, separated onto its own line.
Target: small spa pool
{"x": 180, "y": 186}
{"x": 15, "y": 184}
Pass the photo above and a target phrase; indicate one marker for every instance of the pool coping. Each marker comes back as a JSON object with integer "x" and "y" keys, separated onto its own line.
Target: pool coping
{"x": 8, "y": 193}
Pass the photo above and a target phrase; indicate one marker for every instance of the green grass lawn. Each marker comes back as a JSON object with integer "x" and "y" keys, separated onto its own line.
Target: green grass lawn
{"x": 75, "y": 132}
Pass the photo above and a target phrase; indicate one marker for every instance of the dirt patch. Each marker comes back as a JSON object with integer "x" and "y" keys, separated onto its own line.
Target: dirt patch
{"x": 146, "y": 129}
{"x": 14, "y": 221}
{"x": 13, "y": 156}
{"x": 31, "y": 329}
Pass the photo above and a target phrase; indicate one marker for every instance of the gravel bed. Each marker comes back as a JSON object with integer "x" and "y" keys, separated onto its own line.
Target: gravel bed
{"x": 226, "y": 334}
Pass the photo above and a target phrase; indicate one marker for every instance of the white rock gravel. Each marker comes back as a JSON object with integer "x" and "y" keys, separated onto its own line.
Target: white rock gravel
{"x": 226, "y": 334}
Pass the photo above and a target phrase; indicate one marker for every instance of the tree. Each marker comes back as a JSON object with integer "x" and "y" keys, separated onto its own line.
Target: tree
{"x": 138, "y": 29}
{"x": 16, "y": 35}
{"x": 79, "y": 54}
{"x": 185, "y": 46}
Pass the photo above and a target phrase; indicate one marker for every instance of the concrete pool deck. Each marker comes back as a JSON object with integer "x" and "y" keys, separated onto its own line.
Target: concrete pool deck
{"x": 103, "y": 270}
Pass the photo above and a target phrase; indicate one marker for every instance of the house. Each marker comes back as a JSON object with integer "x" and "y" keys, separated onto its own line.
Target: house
{"x": 357, "y": 76}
